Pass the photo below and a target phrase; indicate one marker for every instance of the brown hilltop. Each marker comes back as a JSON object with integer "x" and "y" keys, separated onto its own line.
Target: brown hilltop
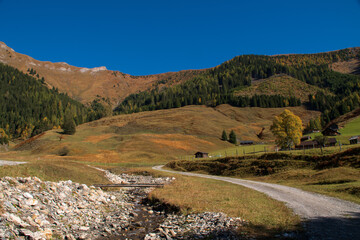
{"x": 85, "y": 84}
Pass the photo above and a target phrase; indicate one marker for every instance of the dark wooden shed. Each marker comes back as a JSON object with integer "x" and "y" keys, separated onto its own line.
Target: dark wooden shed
{"x": 332, "y": 130}
{"x": 246, "y": 142}
{"x": 307, "y": 145}
{"x": 201, "y": 155}
{"x": 331, "y": 142}
{"x": 354, "y": 140}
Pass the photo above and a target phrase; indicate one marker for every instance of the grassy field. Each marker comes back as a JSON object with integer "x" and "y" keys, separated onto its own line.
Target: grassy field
{"x": 156, "y": 137}
{"x": 352, "y": 128}
{"x": 266, "y": 217}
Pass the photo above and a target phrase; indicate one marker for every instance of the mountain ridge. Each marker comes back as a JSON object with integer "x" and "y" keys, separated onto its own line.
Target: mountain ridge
{"x": 86, "y": 84}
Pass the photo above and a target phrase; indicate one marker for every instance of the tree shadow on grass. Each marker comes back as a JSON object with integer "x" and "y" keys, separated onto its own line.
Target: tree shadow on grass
{"x": 250, "y": 231}
{"x": 322, "y": 228}
{"x": 328, "y": 228}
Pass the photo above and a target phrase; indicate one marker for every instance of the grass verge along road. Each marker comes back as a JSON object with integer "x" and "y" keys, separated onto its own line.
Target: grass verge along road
{"x": 325, "y": 217}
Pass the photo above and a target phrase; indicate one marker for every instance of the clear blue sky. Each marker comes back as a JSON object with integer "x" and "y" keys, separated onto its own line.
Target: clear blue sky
{"x": 142, "y": 37}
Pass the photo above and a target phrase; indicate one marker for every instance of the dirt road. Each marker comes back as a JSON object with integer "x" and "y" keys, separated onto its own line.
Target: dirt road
{"x": 324, "y": 217}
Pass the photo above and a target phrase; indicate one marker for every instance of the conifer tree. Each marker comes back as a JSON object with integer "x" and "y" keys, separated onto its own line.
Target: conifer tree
{"x": 224, "y": 136}
{"x": 69, "y": 125}
{"x": 232, "y": 137}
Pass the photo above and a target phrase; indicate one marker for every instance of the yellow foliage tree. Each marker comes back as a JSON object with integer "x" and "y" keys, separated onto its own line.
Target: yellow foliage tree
{"x": 287, "y": 129}
{"x": 4, "y": 138}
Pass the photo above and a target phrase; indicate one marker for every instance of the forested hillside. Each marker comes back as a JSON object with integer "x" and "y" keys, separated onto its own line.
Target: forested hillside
{"x": 28, "y": 107}
{"x": 217, "y": 85}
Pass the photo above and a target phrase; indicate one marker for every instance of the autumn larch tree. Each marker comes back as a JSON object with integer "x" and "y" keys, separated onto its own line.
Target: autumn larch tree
{"x": 287, "y": 129}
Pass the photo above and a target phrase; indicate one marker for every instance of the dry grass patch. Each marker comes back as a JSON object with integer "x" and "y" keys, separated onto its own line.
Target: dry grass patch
{"x": 96, "y": 139}
{"x": 198, "y": 195}
{"x": 55, "y": 170}
{"x": 178, "y": 141}
{"x": 103, "y": 156}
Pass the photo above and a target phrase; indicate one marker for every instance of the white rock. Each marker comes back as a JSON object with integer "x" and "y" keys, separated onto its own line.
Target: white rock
{"x": 83, "y": 228}
{"x": 31, "y": 202}
{"x": 83, "y": 236}
{"x": 28, "y": 195}
{"x": 62, "y": 196}
{"x": 27, "y": 233}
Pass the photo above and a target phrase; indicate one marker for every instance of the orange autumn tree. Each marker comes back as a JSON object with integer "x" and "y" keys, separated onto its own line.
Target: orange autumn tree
{"x": 287, "y": 129}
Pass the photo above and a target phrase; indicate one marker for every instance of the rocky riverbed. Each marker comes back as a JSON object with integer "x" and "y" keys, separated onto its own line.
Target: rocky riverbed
{"x": 34, "y": 209}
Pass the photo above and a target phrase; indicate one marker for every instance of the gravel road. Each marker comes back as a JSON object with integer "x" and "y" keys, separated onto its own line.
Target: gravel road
{"x": 324, "y": 217}
{"x": 3, "y": 163}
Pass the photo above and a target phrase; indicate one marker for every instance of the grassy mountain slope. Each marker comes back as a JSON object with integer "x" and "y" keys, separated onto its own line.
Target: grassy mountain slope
{"x": 84, "y": 84}
{"x": 281, "y": 84}
{"x": 157, "y": 136}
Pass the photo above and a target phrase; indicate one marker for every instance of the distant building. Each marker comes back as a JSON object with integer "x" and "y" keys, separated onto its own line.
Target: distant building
{"x": 354, "y": 140}
{"x": 331, "y": 142}
{"x": 307, "y": 145}
{"x": 201, "y": 155}
{"x": 332, "y": 130}
{"x": 246, "y": 142}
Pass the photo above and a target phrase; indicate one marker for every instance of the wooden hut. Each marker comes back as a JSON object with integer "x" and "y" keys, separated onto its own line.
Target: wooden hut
{"x": 331, "y": 142}
{"x": 201, "y": 155}
{"x": 307, "y": 145}
{"x": 246, "y": 142}
{"x": 354, "y": 139}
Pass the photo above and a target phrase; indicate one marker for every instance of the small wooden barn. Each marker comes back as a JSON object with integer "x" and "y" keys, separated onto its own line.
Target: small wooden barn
{"x": 354, "y": 139}
{"x": 331, "y": 142}
{"x": 332, "y": 130}
{"x": 307, "y": 145}
{"x": 201, "y": 155}
{"x": 246, "y": 142}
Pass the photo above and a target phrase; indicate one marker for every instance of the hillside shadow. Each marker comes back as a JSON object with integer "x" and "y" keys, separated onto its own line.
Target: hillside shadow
{"x": 329, "y": 228}
{"x": 322, "y": 228}
{"x": 258, "y": 232}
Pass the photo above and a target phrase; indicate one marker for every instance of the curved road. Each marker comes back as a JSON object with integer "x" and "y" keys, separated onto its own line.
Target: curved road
{"x": 324, "y": 217}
